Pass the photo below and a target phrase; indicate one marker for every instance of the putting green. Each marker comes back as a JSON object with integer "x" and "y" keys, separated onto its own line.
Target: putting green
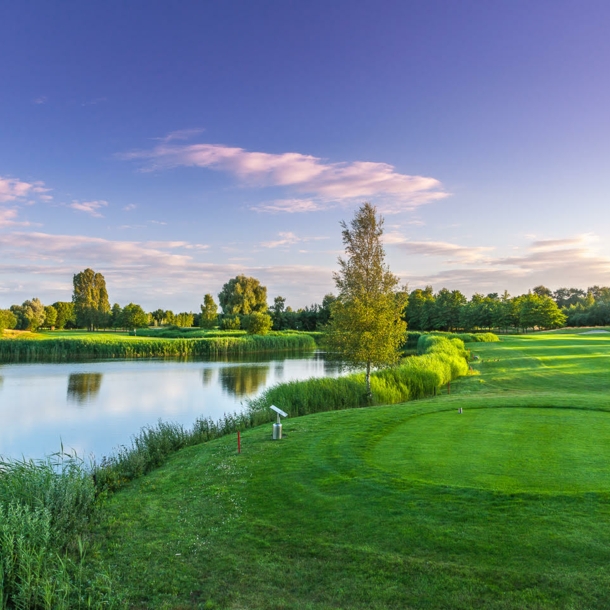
{"x": 505, "y": 449}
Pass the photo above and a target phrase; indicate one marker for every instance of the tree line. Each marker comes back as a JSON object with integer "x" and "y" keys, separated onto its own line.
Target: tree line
{"x": 242, "y": 300}
{"x": 540, "y": 308}
{"x": 243, "y": 305}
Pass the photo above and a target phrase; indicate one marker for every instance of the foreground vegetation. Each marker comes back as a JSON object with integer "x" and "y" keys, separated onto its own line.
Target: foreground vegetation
{"x": 74, "y": 345}
{"x": 389, "y": 507}
{"x": 45, "y": 515}
{"x": 411, "y": 505}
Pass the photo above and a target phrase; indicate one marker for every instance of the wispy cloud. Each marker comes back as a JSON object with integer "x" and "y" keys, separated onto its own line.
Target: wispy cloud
{"x": 572, "y": 261}
{"x": 324, "y": 182}
{"x": 153, "y": 273}
{"x": 288, "y": 239}
{"x": 95, "y": 101}
{"x": 90, "y": 207}
{"x": 12, "y": 189}
{"x": 8, "y": 218}
{"x": 554, "y": 244}
{"x": 181, "y": 134}
{"x": 452, "y": 252}
{"x": 130, "y": 207}
{"x": 41, "y": 100}
{"x": 289, "y": 206}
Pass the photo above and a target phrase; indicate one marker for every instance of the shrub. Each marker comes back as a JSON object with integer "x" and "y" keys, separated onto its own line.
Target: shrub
{"x": 258, "y": 323}
{"x": 230, "y": 323}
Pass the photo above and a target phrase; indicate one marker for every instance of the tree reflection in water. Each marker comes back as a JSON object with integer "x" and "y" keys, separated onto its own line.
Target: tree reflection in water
{"x": 82, "y": 387}
{"x": 206, "y": 376}
{"x": 243, "y": 380}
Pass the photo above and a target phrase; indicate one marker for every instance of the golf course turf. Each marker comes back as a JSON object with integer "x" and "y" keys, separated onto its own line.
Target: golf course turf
{"x": 506, "y": 505}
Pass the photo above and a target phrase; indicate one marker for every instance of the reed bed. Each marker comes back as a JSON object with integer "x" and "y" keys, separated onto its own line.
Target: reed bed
{"x": 45, "y": 510}
{"x": 103, "y": 346}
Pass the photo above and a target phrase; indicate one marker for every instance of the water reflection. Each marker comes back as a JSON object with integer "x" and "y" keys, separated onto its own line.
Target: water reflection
{"x": 265, "y": 357}
{"x": 207, "y": 375}
{"x": 243, "y": 380}
{"x": 37, "y": 413}
{"x": 82, "y": 387}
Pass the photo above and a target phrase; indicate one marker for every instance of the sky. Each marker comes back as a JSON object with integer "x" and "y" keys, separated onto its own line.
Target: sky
{"x": 172, "y": 146}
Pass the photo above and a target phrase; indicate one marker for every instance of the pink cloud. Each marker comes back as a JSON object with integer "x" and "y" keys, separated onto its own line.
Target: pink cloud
{"x": 8, "y": 216}
{"x": 12, "y": 189}
{"x": 90, "y": 207}
{"x": 324, "y": 181}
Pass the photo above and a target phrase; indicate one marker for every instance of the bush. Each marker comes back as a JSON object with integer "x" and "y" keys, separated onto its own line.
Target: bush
{"x": 230, "y": 323}
{"x": 258, "y": 323}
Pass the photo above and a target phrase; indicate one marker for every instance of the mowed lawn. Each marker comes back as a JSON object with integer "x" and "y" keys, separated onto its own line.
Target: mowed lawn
{"x": 506, "y": 505}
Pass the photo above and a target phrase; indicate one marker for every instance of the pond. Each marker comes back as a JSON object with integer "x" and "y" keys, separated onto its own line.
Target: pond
{"x": 94, "y": 407}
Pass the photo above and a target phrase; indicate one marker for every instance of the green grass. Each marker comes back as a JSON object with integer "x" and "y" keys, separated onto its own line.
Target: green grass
{"x": 407, "y": 506}
{"x": 76, "y": 345}
{"x": 493, "y": 449}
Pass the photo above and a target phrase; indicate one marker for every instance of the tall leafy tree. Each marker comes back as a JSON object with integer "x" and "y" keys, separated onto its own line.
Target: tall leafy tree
{"x": 30, "y": 315}
{"x": 133, "y": 316}
{"x": 158, "y": 316}
{"x": 90, "y": 299}
{"x": 366, "y": 328}
{"x": 50, "y": 316}
{"x": 209, "y": 312}
{"x": 277, "y": 312}
{"x": 65, "y": 314}
{"x": 7, "y": 320}
{"x": 243, "y": 295}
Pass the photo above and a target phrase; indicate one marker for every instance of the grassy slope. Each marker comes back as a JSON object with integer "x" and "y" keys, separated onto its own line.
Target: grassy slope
{"x": 334, "y": 515}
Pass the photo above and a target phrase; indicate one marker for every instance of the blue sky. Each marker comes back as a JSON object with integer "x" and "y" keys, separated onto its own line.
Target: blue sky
{"x": 171, "y": 146}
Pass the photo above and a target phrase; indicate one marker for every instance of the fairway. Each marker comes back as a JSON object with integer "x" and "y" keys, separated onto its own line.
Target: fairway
{"x": 559, "y": 450}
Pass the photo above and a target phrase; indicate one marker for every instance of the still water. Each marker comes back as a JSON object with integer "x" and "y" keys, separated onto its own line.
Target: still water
{"x": 93, "y": 407}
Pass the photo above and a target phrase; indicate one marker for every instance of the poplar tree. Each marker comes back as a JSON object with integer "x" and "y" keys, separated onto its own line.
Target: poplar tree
{"x": 90, "y": 298}
{"x": 209, "y": 312}
{"x": 366, "y": 328}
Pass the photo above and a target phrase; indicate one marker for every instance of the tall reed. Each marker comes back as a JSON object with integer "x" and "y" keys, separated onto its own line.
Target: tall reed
{"x": 45, "y": 509}
{"x": 107, "y": 346}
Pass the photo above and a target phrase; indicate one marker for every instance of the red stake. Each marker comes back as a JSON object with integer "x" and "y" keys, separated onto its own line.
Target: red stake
{"x": 238, "y": 442}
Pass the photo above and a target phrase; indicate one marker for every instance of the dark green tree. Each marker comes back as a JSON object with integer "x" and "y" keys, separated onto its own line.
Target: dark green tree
{"x": 65, "y": 315}
{"x": 133, "y": 316}
{"x": 277, "y": 311}
{"x": 243, "y": 295}
{"x": 50, "y": 316}
{"x": 90, "y": 299}
{"x": 158, "y": 316}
